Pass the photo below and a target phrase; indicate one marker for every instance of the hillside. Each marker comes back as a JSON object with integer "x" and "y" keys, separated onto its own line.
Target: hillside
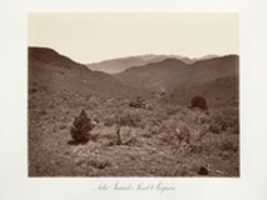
{"x": 57, "y": 73}
{"x": 173, "y": 76}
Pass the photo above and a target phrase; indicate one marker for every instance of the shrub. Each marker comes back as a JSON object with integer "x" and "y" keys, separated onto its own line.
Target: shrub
{"x": 131, "y": 119}
{"x": 99, "y": 163}
{"x": 172, "y": 110}
{"x": 43, "y": 112}
{"x": 110, "y": 120}
{"x": 203, "y": 171}
{"x": 62, "y": 127}
{"x": 199, "y": 102}
{"x": 228, "y": 145}
{"x": 215, "y": 128}
{"x": 222, "y": 121}
{"x": 138, "y": 103}
{"x": 33, "y": 90}
{"x": 81, "y": 127}
{"x": 174, "y": 132}
{"x": 126, "y": 118}
{"x": 183, "y": 133}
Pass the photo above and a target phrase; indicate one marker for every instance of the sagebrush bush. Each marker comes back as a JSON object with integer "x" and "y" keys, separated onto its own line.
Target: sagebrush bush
{"x": 199, "y": 102}
{"x": 138, "y": 103}
{"x": 172, "y": 110}
{"x": 228, "y": 145}
{"x": 183, "y": 132}
{"x": 99, "y": 163}
{"x": 174, "y": 132}
{"x": 81, "y": 127}
{"x": 110, "y": 120}
{"x": 131, "y": 119}
{"x": 215, "y": 128}
{"x": 225, "y": 120}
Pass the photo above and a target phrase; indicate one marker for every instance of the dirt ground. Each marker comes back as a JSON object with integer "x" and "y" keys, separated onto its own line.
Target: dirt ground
{"x": 150, "y": 146}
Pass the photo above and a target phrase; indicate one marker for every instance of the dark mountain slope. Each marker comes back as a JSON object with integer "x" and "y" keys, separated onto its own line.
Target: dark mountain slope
{"x": 171, "y": 74}
{"x": 55, "y": 72}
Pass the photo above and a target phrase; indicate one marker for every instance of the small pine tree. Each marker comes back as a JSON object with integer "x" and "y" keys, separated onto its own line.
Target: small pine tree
{"x": 81, "y": 127}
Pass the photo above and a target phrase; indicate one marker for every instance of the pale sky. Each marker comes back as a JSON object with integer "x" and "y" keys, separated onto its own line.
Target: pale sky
{"x": 92, "y": 37}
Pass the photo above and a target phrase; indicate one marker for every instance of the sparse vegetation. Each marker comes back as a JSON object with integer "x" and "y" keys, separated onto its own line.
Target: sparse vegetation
{"x": 138, "y": 103}
{"x": 225, "y": 121}
{"x": 129, "y": 118}
{"x": 144, "y": 136}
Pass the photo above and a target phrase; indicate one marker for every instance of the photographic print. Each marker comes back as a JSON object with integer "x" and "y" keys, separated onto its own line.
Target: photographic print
{"x": 133, "y": 94}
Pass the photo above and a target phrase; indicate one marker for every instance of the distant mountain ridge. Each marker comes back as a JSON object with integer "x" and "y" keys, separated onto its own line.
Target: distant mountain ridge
{"x": 117, "y": 65}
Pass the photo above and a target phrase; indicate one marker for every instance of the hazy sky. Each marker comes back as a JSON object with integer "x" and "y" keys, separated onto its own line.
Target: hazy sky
{"x": 91, "y": 37}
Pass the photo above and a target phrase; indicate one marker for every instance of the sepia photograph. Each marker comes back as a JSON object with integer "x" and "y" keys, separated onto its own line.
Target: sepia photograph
{"x": 133, "y": 94}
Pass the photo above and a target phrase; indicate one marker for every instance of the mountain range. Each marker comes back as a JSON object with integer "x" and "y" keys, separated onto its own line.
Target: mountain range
{"x": 117, "y": 65}
{"x": 176, "y": 78}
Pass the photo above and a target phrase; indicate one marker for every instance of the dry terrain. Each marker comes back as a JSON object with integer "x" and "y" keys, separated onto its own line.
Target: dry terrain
{"x": 206, "y": 143}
